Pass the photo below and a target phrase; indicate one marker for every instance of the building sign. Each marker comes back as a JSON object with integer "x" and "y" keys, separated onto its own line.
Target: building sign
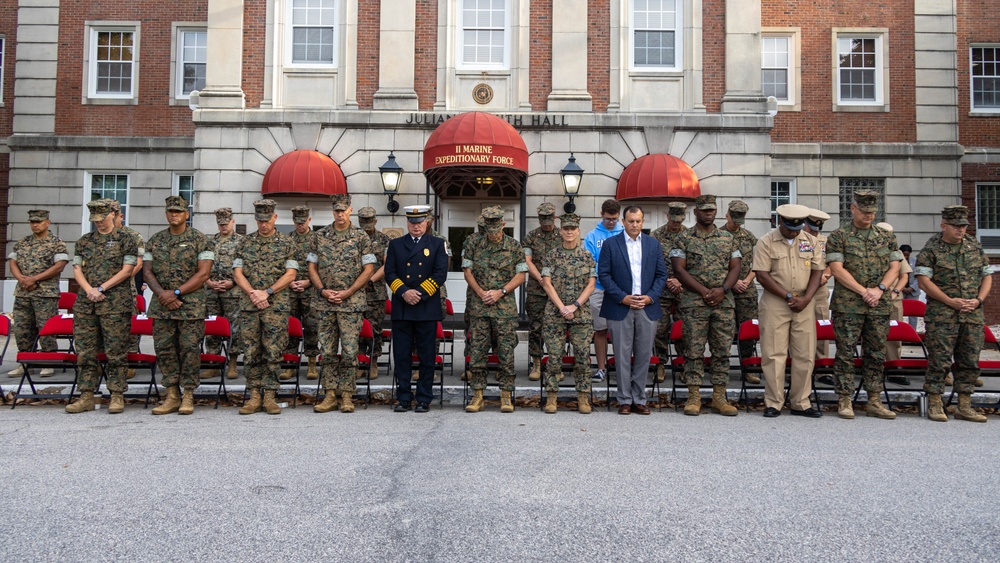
{"x": 519, "y": 120}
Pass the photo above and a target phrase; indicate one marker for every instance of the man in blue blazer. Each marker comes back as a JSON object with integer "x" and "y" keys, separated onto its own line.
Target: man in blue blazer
{"x": 416, "y": 266}
{"x": 633, "y": 273}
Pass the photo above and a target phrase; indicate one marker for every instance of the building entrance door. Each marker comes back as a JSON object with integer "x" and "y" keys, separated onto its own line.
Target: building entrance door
{"x": 458, "y": 221}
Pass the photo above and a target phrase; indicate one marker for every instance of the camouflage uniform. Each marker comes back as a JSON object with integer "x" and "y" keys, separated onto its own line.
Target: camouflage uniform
{"x": 141, "y": 246}
{"x": 493, "y": 326}
{"x": 668, "y": 303}
{"x": 105, "y": 325}
{"x": 867, "y": 257}
{"x": 569, "y": 271}
{"x": 537, "y": 244}
{"x": 33, "y": 308}
{"x": 469, "y": 297}
{"x": 746, "y": 302}
{"x": 301, "y": 303}
{"x": 177, "y": 334}
{"x": 708, "y": 256}
{"x": 227, "y": 303}
{"x": 958, "y": 270}
{"x": 340, "y": 258}
{"x": 443, "y": 288}
{"x": 375, "y": 292}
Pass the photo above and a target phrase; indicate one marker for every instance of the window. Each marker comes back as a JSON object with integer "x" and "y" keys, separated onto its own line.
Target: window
{"x": 655, "y": 34}
{"x": 184, "y": 187}
{"x": 314, "y": 24}
{"x": 859, "y": 69}
{"x": 111, "y": 186}
{"x": 113, "y": 54}
{"x": 192, "y": 55}
{"x": 775, "y": 71}
{"x": 988, "y": 215}
{"x": 782, "y": 192}
{"x": 484, "y": 33}
{"x": 847, "y": 188}
{"x": 985, "y": 78}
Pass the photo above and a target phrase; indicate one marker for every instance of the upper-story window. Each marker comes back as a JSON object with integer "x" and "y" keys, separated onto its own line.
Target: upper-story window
{"x": 776, "y": 66}
{"x": 484, "y": 34}
{"x": 656, "y": 34}
{"x": 314, "y": 31}
{"x": 192, "y": 58}
{"x": 113, "y": 63}
{"x": 782, "y": 193}
{"x": 860, "y": 76}
{"x": 985, "y": 73}
{"x": 105, "y": 185}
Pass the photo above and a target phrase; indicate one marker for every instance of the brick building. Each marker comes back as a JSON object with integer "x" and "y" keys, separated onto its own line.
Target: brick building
{"x": 137, "y": 100}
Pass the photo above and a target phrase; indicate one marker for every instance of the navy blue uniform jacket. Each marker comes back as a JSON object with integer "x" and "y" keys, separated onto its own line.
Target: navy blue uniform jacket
{"x": 422, "y": 266}
{"x": 616, "y": 276}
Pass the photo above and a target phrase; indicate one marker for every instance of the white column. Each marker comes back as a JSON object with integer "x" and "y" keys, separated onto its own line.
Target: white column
{"x": 743, "y": 89}
{"x": 397, "y": 52}
{"x": 224, "y": 68}
{"x": 569, "y": 57}
{"x": 936, "y": 58}
{"x": 35, "y": 67}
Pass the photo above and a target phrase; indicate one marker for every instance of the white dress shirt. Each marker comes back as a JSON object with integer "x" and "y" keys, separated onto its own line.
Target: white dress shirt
{"x": 634, "y": 248}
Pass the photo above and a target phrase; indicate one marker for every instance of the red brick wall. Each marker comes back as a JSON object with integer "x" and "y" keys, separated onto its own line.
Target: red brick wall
{"x": 540, "y": 51}
{"x": 254, "y": 55}
{"x": 599, "y": 53}
{"x": 816, "y": 121}
{"x": 425, "y": 64}
{"x": 153, "y": 115}
{"x": 369, "y": 20}
{"x": 978, "y": 22}
{"x": 8, "y": 28}
{"x": 714, "y": 58}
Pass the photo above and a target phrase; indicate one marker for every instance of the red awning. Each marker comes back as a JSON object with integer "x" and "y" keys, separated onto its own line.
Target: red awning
{"x": 658, "y": 177}
{"x": 304, "y": 173}
{"x": 476, "y": 154}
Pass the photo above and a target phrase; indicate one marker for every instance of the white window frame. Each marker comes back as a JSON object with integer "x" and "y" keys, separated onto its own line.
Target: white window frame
{"x": 460, "y": 62}
{"x": 678, "y": 40}
{"x": 791, "y": 196}
{"x": 175, "y": 189}
{"x": 794, "y": 67}
{"x": 972, "y": 80}
{"x": 88, "y": 181}
{"x": 91, "y": 95}
{"x": 982, "y": 214}
{"x": 290, "y": 37}
{"x": 881, "y": 70}
{"x": 178, "y": 61}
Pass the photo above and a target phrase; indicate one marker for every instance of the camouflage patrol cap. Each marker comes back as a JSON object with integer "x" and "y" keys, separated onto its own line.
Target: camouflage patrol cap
{"x": 547, "y": 214}
{"x": 705, "y": 201}
{"x": 37, "y": 215}
{"x": 493, "y": 219}
{"x": 366, "y": 215}
{"x": 263, "y": 209}
{"x": 300, "y": 214}
{"x": 676, "y": 210}
{"x": 569, "y": 220}
{"x": 738, "y": 211}
{"x": 341, "y": 202}
{"x": 866, "y": 200}
{"x": 957, "y": 215}
{"x": 115, "y": 205}
{"x": 176, "y": 203}
{"x": 223, "y": 215}
{"x": 99, "y": 209}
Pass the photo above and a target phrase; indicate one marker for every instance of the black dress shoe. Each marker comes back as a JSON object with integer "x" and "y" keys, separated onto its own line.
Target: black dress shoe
{"x": 898, "y": 380}
{"x": 771, "y": 412}
{"x": 808, "y": 413}
{"x": 827, "y": 380}
{"x": 422, "y": 407}
{"x": 402, "y": 407}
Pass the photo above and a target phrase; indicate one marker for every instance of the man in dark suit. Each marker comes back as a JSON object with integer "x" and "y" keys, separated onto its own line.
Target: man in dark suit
{"x": 633, "y": 273}
{"x": 416, "y": 266}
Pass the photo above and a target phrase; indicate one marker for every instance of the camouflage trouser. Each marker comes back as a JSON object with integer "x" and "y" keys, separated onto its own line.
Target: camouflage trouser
{"x": 663, "y": 326}
{"x": 963, "y": 340}
{"x": 111, "y": 334}
{"x": 178, "y": 346}
{"x": 30, "y": 314}
{"x": 580, "y": 336}
{"x": 340, "y": 330}
{"x": 873, "y": 330}
{"x": 534, "y": 306}
{"x": 713, "y": 325}
{"x": 501, "y": 335}
{"x": 265, "y": 333}
{"x": 302, "y": 310}
{"x": 375, "y": 315}
{"x": 746, "y": 309}
{"x": 228, "y": 307}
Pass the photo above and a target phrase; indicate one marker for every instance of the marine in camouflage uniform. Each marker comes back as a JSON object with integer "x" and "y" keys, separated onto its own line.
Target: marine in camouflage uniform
{"x": 222, "y": 295}
{"x": 568, "y": 278}
{"x": 301, "y": 296}
{"x": 36, "y": 262}
{"x": 668, "y": 303}
{"x": 707, "y": 263}
{"x": 954, "y": 271}
{"x": 537, "y": 244}
{"x": 177, "y": 263}
{"x": 447, "y": 250}
{"x": 340, "y": 264}
{"x": 469, "y": 296}
{"x": 863, "y": 259}
{"x": 821, "y": 301}
{"x": 102, "y": 315}
{"x": 116, "y": 209}
{"x": 375, "y": 291}
{"x": 263, "y": 268}
{"x": 745, "y": 290}
{"x": 494, "y": 267}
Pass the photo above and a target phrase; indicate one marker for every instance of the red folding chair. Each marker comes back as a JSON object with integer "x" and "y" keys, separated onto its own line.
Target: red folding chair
{"x": 914, "y": 308}
{"x": 447, "y": 339}
{"x": 387, "y": 338}
{"x": 59, "y": 326}
{"x": 219, "y": 327}
{"x": 141, "y": 326}
{"x": 140, "y": 304}
{"x": 5, "y": 332}
{"x": 904, "y": 367}
{"x": 66, "y": 301}
{"x": 677, "y": 361}
{"x": 989, "y": 370}
{"x": 824, "y": 366}
{"x": 291, "y": 360}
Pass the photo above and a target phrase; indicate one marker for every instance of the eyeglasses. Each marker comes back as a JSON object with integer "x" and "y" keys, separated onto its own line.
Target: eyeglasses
{"x": 610, "y": 220}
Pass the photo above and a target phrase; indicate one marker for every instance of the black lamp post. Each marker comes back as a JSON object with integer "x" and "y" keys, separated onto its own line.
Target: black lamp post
{"x": 571, "y": 176}
{"x": 392, "y": 174}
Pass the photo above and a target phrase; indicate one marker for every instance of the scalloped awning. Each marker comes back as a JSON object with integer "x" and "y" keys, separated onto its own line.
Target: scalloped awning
{"x": 476, "y": 154}
{"x": 658, "y": 177}
{"x": 304, "y": 172}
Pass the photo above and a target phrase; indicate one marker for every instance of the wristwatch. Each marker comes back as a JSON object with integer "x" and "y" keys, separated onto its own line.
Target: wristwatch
{"x": 503, "y": 290}
{"x": 177, "y": 292}
{"x": 789, "y": 296}
{"x": 895, "y": 292}
{"x": 100, "y": 289}
{"x": 882, "y": 286}
{"x": 577, "y": 304}
{"x": 725, "y": 289}
{"x": 269, "y": 291}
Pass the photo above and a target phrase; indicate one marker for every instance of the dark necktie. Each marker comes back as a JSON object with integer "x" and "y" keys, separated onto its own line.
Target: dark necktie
{"x": 416, "y": 240}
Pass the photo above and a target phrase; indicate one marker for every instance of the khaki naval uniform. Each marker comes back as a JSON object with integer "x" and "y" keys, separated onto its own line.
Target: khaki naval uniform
{"x": 790, "y": 265}
{"x": 821, "y": 303}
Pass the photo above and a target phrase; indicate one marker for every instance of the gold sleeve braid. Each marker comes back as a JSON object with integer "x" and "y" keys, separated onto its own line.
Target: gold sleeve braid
{"x": 396, "y": 284}
{"x": 429, "y": 286}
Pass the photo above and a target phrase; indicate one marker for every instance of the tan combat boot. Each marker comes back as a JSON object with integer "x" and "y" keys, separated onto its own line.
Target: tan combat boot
{"x": 466, "y": 376}
{"x": 965, "y": 410}
{"x": 373, "y": 369}
{"x": 346, "y": 402}
{"x": 693, "y": 405}
{"x": 720, "y": 404}
{"x": 550, "y": 403}
{"x": 187, "y": 402}
{"x": 583, "y": 403}
{"x": 845, "y": 409}
{"x": 753, "y": 378}
{"x": 16, "y": 372}
{"x": 877, "y": 409}
{"x": 287, "y": 374}
{"x": 83, "y": 404}
{"x": 130, "y": 374}
{"x": 329, "y": 403}
{"x": 253, "y": 403}
{"x": 661, "y": 373}
{"x": 949, "y": 380}
{"x": 536, "y": 369}
{"x": 269, "y": 403}
{"x": 117, "y": 405}
{"x": 208, "y": 373}
{"x": 978, "y": 383}
{"x": 171, "y": 403}
{"x": 935, "y": 410}
{"x": 476, "y": 404}
{"x": 231, "y": 369}
{"x": 505, "y": 404}
{"x": 311, "y": 371}
{"x": 49, "y": 372}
